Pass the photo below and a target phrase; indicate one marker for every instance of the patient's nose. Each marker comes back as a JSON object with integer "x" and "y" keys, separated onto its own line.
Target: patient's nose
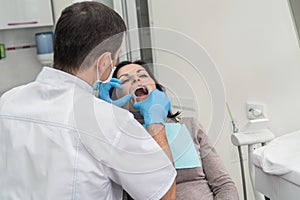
{"x": 136, "y": 79}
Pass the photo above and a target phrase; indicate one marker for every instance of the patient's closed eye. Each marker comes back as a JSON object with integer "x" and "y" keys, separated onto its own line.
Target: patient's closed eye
{"x": 125, "y": 80}
{"x": 143, "y": 75}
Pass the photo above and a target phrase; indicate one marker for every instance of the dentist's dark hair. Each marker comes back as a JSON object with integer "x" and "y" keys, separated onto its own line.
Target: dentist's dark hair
{"x": 83, "y": 32}
{"x": 147, "y": 68}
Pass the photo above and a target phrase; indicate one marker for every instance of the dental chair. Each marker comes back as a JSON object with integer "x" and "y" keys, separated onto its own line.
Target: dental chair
{"x": 277, "y": 168}
{"x": 274, "y": 164}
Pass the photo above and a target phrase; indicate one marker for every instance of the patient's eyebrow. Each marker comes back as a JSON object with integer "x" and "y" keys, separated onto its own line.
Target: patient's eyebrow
{"x": 124, "y": 75}
{"x": 139, "y": 70}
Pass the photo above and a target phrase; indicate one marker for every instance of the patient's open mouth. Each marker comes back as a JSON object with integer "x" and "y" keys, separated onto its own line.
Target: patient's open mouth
{"x": 141, "y": 91}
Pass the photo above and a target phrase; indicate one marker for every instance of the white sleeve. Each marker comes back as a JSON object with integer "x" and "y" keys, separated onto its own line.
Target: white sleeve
{"x": 130, "y": 156}
{"x": 138, "y": 163}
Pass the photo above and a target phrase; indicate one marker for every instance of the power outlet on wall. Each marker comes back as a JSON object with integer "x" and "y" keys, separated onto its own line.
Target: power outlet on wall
{"x": 255, "y": 110}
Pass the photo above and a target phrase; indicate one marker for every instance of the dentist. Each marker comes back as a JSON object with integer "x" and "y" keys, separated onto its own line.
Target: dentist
{"x": 58, "y": 140}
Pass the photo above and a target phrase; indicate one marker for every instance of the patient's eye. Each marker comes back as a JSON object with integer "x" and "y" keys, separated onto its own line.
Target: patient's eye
{"x": 143, "y": 75}
{"x": 123, "y": 81}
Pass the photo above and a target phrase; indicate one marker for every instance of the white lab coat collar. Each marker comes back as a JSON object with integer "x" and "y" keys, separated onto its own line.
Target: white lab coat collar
{"x": 56, "y": 77}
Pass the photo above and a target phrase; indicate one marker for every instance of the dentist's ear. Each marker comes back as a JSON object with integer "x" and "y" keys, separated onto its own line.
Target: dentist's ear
{"x": 102, "y": 64}
{"x": 104, "y": 61}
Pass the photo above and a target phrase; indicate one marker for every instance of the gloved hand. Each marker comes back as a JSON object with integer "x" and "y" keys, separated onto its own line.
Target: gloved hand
{"x": 154, "y": 108}
{"x": 104, "y": 89}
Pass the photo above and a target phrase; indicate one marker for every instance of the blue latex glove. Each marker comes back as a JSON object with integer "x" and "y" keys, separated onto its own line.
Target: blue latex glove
{"x": 104, "y": 89}
{"x": 154, "y": 108}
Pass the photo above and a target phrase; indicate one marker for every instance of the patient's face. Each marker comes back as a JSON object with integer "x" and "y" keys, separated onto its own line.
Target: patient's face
{"x": 134, "y": 76}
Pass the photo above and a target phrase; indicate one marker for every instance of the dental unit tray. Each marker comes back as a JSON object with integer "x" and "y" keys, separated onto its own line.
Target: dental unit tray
{"x": 253, "y": 137}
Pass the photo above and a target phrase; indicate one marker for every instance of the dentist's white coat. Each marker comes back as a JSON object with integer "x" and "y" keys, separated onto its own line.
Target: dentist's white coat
{"x": 57, "y": 141}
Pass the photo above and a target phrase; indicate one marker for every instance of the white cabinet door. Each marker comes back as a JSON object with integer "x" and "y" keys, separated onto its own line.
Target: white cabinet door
{"x": 25, "y": 13}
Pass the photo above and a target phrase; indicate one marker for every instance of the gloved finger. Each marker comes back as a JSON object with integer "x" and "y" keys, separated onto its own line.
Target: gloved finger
{"x": 104, "y": 96}
{"x": 115, "y": 80}
{"x": 156, "y": 92}
{"x": 122, "y": 101}
{"x": 137, "y": 105}
{"x": 116, "y": 85}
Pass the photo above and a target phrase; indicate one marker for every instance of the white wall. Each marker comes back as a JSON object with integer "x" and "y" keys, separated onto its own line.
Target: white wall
{"x": 21, "y": 65}
{"x": 254, "y": 45}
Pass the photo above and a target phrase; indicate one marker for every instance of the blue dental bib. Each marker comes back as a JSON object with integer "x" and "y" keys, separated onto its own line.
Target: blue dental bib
{"x": 182, "y": 146}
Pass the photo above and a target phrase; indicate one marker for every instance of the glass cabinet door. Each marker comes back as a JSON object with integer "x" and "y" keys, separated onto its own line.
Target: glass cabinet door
{"x": 136, "y": 16}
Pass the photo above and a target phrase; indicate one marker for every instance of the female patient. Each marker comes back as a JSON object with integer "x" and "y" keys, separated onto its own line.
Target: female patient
{"x": 200, "y": 172}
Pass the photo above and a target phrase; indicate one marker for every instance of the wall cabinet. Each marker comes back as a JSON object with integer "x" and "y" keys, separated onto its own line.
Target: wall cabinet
{"x": 25, "y": 13}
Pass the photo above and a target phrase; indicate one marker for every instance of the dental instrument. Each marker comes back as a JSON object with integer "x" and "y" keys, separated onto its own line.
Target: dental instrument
{"x": 140, "y": 91}
{"x": 235, "y": 130}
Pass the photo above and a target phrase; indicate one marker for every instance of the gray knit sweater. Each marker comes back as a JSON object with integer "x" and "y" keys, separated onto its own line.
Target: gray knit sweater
{"x": 211, "y": 181}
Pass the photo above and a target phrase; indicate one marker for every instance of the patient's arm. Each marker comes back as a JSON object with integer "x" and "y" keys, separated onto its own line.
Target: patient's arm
{"x": 157, "y": 131}
{"x": 214, "y": 172}
{"x": 217, "y": 176}
{"x": 219, "y": 180}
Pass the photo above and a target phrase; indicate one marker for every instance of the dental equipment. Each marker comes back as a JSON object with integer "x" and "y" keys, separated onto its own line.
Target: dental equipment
{"x": 235, "y": 130}
{"x": 139, "y": 92}
{"x": 277, "y": 167}
{"x": 256, "y": 132}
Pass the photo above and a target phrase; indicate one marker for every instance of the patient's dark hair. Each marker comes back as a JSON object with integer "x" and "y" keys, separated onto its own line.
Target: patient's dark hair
{"x": 147, "y": 68}
{"x": 82, "y": 27}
